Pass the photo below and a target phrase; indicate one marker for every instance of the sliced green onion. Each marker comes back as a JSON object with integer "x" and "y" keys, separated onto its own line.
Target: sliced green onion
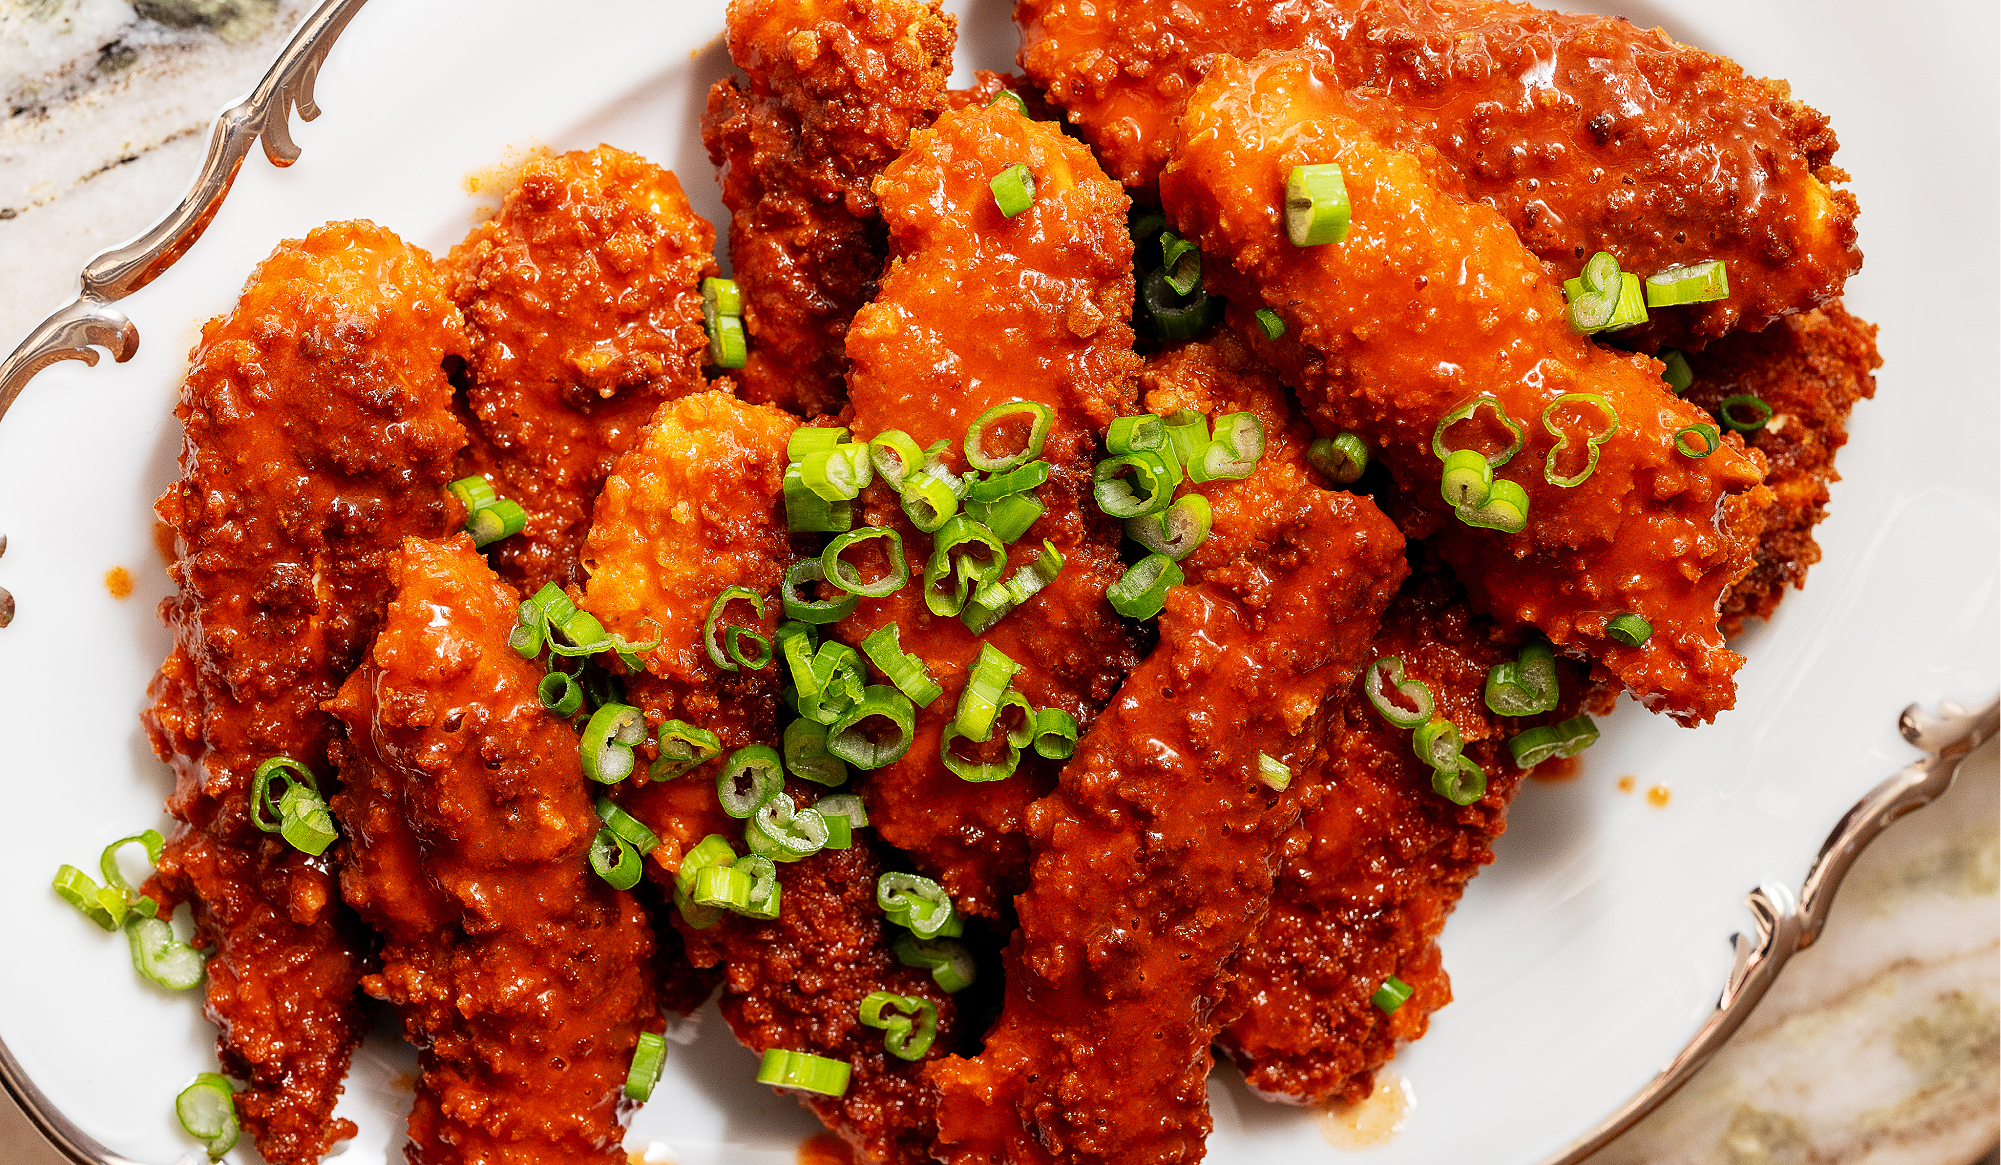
{"x": 721, "y": 297}
{"x": 990, "y": 602}
{"x": 728, "y": 347}
{"x": 1141, "y": 591}
{"x": 1391, "y": 995}
{"x": 1175, "y": 531}
{"x": 102, "y": 905}
{"x": 1629, "y": 629}
{"x": 837, "y": 474}
{"x": 683, "y": 747}
{"x": 1155, "y": 475}
{"x": 1145, "y": 224}
{"x": 713, "y": 850}
{"x": 264, "y": 813}
{"x": 207, "y": 1112}
{"x": 751, "y": 776}
{"x": 928, "y": 501}
{"x": 1506, "y": 509}
{"x": 1467, "y": 480}
{"x": 1384, "y": 685}
{"x": 560, "y": 694}
{"x": 975, "y": 771}
{"x": 844, "y": 575}
{"x": 806, "y": 757}
{"x": 1041, "y": 417}
{"x": 808, "y": 512}
{"x": 812, "y": 438}
{"x": 844, "y": 813}
{"x": 980, "y": 701}
{"x": 1172, "y": 318}
{"x": 1014, "y": 189}
{"x": 1462, "y": 784}
{"x": 1009, "y": 517}
{"x": 607, "y": 743}
{"x": 1274, "y": 774}
{"x": 792, "y": 592}
{"x": 1761, "y": 412}
{"x": 1592, "y": 442}
{"x": 1055, "y": 734}
{"x": 735, "y": 658}
{"x": 649, "y": 1055}
{"x": 1135, "y": 433}
{"x": 1594, "y": 294}
{"x": 1269, "y": 323}
{"x": 1695, "y": 283}
{"x": 906, "y": 671}
{"x": 503, "y": 519}
{"x": 847, "y": 741}
{"x": 1011, "y": 99}
{"x": 1568, "y": 738}
{"x": 626, "y": 827}
{"x": 1187, "y": 435}
{"x": 1526, "y": 686}
{"x": 531, "y": 629}
{"x": 783, "y": 832}
{"x": 1631, "y": 309}
{"x": 960, "y": 531}
{"x": 807, "y": 1073}
{"x": 1711, "y": 441}
{"x": 1675, "y": 370}
{"x": 1465, "y": 411}
{"x": 722, "y": 888}
{"x": 918, "y": 904}
{"x": 765, "y": 892}
{"x": 908, "y": 1024}
{"x": 896, "y": 456}
{"x": 1240, "y": 441}
{"x": 1437, "y": 743}
{"x": 475, "y": 493}
{"x": 1021, "y": 733}
{"x": 1180, "y": 262}
{"x": 161, "y": 958}
{"x": 615, "y": 860}
{"x": 308, "y": 823}
{"x": 107, "y": 862}
{"x": 1316, "y": 205}
{"x": 833, "y": 681}
{"x": 950, "y": 963}
{"x": 1014, "y": 481}
{"x": 1342, "y": 459}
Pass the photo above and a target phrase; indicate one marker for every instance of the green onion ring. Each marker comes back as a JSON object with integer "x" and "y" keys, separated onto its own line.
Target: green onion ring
{"x": 1711, "y": 440}
{"x": 844, "y": 575}
{"x": 613, "y": 859}
{"x": 1592, "y": 442}
{"x": 1341, "y": 459}
{"x": 1041, "y": 418}
{"x": 1175, "y": 531}
{"x": 649, "y": 1059}
{"x": 950, "y": 963}
{"x": 628, "y": 828}
{"x": 1565, "y": 739}
{"x": 207, "y": 1112}
{"x": 918, "y": 904}
{"x": 1055, "y": 734}
{"x": 847, "y": 741}
{"x": 1234, "y": 453}
{"x": 908, "y": 1023}
{"x": 1386, "y": 676}
{"x": 1462, "y": 784}
{"x": 1141, "y": 591}
{"x": 801, "y": 1070}
{"x": 1743, "y": 400}
{"x": 607, "y": 742}
{"x": 751, "y": 776}
{"x": 682, "y": 747}
{"x": 1464, "y": 411}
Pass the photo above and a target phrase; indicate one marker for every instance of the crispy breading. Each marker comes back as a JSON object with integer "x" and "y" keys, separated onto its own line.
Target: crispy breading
{"x": 1431, "y": 302}
{"x": 831, "y": 92}
{"x": 1153, "y": 860}
{"x": 317, "y": 432}
{"x": 975, "y": 310}
{"x": 582, "y": 299}
{"x": 1584, "y": 131}
{"x": 518, "y": 973}
{"x": 1811, "y": 368}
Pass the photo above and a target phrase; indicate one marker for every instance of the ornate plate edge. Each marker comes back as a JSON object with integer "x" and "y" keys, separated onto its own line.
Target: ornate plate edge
{"x": 1785, "y": 923}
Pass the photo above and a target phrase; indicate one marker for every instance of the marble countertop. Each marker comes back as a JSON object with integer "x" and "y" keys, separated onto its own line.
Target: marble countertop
{"x": 1881, "y": 1044}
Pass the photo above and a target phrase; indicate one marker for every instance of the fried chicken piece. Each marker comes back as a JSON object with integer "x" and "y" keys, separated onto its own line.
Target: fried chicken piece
{"x": 1585, "y": 132}
{"x": 1811, "y": 368}
{"x": 1373, "y": 869}
{"x": 318, "y": 432}
{"x": 1153, "y": 861}
{"x": 583, "y": 302}
{"x": 832, "y": 91}
{"x": 988, "y": 85}
{"x": 1430, "y": 302}
{"x": 978, "y": 309}
{"x": 517, "y": 972}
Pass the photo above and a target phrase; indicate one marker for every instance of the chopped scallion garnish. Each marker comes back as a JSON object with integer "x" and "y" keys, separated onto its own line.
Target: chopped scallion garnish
{"x": 1274, "y": 774}
{"x": 1055, "y": 734}
{"x": 1234, "y": 453}
{"x": 1388, "y": 692}
{"x": 1525, "y": 686}
{"x": 751, "y": 776}
{"x": 1269, "y": 323}
{"x": 1141, "y": 591}
{"x": 908, "y": 1024}
{"x": 950, "y": 963}
{"x": 1592, "y": 441}
{"x": 792, "y": 592}
{"x": 806, "y": 756}
{"x": 607, "y": 743}
{"x": 728, "y": 347}
{"x": 879, "y": 703}
{"x": 1390, "y": 995}
{"x": 1148, "y": 490}
{"x": 1675, "y": 370}
{"x": 1568, "y": 738}
{"x": 682, "y": 747}
{"x": 1040, "y": 418}
{"x": 615, "y": 860}
{"x": 1342, "y": 459}
{"x": 207, "y": 1112}
{"x": 906, "y": 671}
{"x": 1629, "y": 629}
{"x": 649, "y": 1058}
{"x": 1465, "y": 411}
{"x": 1462, "y": 784}
{"x": 1316, "y": 205}
{"x": 626, "y": 827}
{"x": 783, "y": 832}
{"x": 1711, "y": 440}
{"x": 1014, "y": 189}
{"x": 560, "y": 694}
{"x": 1506, "y": 509}
{"x": 805, "y": 1072}
{"x": 917, "y": 904}
{"x": 1760, "y": 412}
{"x": 1175, "y": 531}
{"x": 1466, "y": 479}
{"x": 844, "y": 813}
{"x": 1696, "y": 283}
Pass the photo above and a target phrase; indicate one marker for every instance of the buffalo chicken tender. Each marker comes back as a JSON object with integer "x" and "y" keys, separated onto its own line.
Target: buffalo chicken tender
{"x": 1585, "y": 132}
{"x": 1431, "y": 302}
{"x": 518, "y": 973}
{"x": 317, "y": 433}
{"x": 976, "y": 310}
{"x": 1153, "y": 859}
{"x": 582, "y": 297}
{"x": 831, "y": 92}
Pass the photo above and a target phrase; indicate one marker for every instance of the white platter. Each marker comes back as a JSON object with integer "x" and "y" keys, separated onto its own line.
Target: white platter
{"x": 1582, "y": 962}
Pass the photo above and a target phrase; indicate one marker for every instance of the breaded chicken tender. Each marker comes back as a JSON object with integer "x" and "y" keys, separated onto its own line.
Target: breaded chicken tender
{"x": 1585, "y": 132}
{"x": 831, "y": 92}
{"x": 1430, "y": 303}
{"x": 317, "y": 433}
{"x": 518, "y": 973}
{"x": 582, "y": 297}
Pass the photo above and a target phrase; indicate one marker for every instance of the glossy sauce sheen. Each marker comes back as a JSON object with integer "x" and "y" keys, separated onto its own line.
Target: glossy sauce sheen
{"x": 519, "y": 974}
{"x": 831, "y": 92}
{"x": 1585, "y": 132}
{"x": 318, "y": 432}
{"x": 1153, "y": 860}
{"x": 975, "y": 310}
{"x": 1378, "y": 861}
{"x": 1431, "y": 301}
{"x": 582, "y": 300}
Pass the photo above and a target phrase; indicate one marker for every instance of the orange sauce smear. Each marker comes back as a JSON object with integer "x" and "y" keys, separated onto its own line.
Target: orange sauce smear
{"x": 825, "y": 1149}
{"x": 1658, "y": 796}
{"x": 118, "y": 581}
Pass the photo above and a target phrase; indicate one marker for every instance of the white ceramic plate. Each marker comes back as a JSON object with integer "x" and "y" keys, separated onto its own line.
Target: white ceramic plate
{"x": 1581, "y": 962}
